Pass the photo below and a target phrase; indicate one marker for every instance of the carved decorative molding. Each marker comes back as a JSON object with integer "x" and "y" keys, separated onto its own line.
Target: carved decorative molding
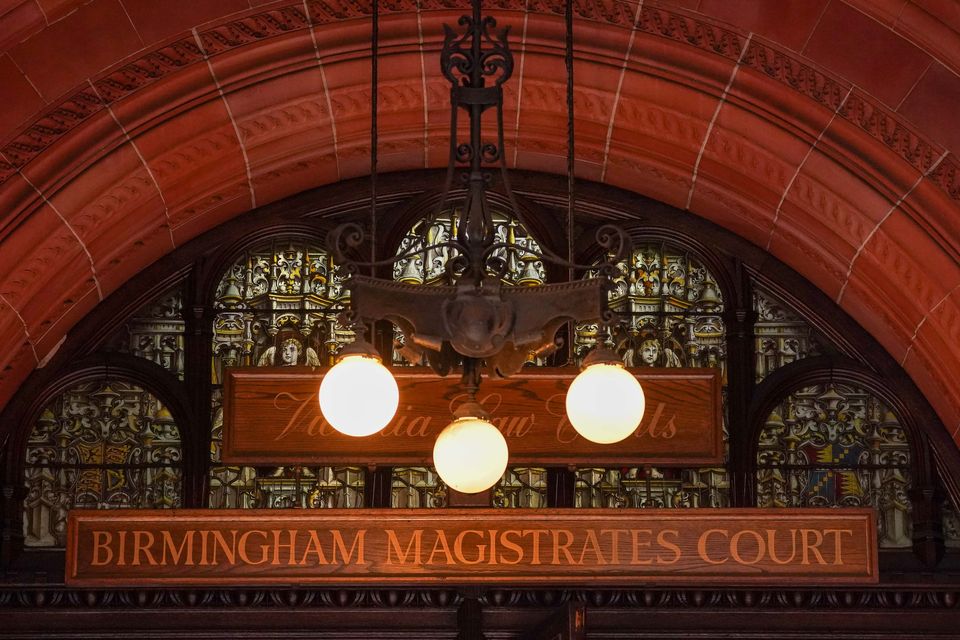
{"x": 886, "y": 598}
{"x": 782, "y": 66}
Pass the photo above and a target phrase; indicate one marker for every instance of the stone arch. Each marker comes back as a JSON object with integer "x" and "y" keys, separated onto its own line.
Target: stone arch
{"x": 812, "y": 162}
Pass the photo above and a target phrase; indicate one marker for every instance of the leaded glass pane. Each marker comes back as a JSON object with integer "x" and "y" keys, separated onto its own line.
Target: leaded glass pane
{"x": 98, "y": 445}
{"x": 670, "y": 310}
{"x": 429, "y": 267}
{"x": 782, "y": 336}
{"x": 652, "y": 488}
{"x": 417, "y": 488}
{"x": 521, "y": 487}
{"x": 155, "y": 333}
{"x": 307, "y": 487}
{"x": 278, "y": 306}
{"x": 951, "y": 525}
{"x": 837, "y": 445}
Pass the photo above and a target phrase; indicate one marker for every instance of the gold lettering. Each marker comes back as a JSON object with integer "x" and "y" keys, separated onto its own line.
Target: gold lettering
{"x": 291, "y": 425}
{"x": 440, "y": 542}
{"x": 139, "y": 546}
{"x": 393, "y": 544}
{"x": 204, "y": 534}
{"x": 419, "y": 427}
{"x": 290, "y": 546}
{"x": 654, "y": 429}
{"x": 614, "y": 542}
{"x": 635, "y": 555}
{"x": 556, "y": 407}
{"x": 230, "y": 551}
{"x": 512, "y": 546}
{"x": 772, "y": 546}
{"x": 458, "y": 547}
{"x": 122, "y": 536}
{"x": 318, "y": 427}
{"x": 315, "y": 547}
{"x": 837, "y": 544}
{"x": 101, "y": 540}
{"x": 493, "y": 545}
{"x": 537, "y": 533}
{"x": 592, "y": 543}
{"x": 356, "y": 546}
{"x": 565, "y": 547}
{"x": 517, "y": 426}
{"x": 702, "y": 545}
{"x": 811, "y": 547}
{"x": 242, "y": 550}
{"x": 663, "y": 542}
{"x": 186, "y": 547}
{"x": 735, "y": 546}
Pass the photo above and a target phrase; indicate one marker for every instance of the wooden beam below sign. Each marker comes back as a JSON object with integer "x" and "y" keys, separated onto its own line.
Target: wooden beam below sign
{"x": 271, "y": 416}
{"x": 467, "y": 546}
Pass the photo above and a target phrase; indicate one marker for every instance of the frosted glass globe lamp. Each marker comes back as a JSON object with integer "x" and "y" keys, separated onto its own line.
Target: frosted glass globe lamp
{"x": 359, "y": 396}
{"x": 605, "y": 402}
{"x": 470, "y": 454}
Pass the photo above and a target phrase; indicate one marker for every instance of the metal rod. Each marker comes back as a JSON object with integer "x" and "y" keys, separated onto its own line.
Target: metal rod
{"x": 568, "y": 59}
{"x": 374, "y": 83}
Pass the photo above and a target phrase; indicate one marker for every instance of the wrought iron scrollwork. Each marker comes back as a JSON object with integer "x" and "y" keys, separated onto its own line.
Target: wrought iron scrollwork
{"x": 476, "y": 315}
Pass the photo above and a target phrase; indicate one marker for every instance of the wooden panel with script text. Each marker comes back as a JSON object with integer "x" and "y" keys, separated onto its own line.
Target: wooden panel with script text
{"x": 272, "y": 416}
{"x": 468, "y": 546}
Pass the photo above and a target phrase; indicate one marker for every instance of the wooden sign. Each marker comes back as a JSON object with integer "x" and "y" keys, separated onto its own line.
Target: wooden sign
{"x": 469, "y": 546}
{"x": 272, "y": 416}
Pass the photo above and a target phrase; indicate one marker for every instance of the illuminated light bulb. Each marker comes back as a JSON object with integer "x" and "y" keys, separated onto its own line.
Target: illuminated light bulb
{"x": 470, "y": 455}
{"x": 605, "y": 403}
{"x": 359, "y": 396}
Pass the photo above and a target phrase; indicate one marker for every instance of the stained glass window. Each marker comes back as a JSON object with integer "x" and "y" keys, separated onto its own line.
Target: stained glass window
{"x": 417, "y": 488}
{"x": 155, "y": 332}
{"x": 950, "y": 521}
{"x": 277, "y": 306}
{"x": 670, "y": 311}
{"x": 837, "y": 445}
{"x": 521, "y": 487}
{"x": 429, "y": 267}
{"x": 651, "y": 488}
{"x": 99, "y": 445}
{"x": 782, "y": 336}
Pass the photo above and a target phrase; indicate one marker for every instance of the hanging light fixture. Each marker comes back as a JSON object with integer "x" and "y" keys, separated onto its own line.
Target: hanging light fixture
{"x": 605, "y": 402}
{"x": 475, "y": 321}
{"x": 359, "y": 396}
{"x": 470, "y": 454}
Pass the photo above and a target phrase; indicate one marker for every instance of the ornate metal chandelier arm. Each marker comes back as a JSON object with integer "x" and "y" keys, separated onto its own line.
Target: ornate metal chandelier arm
{"x": 615, "y": 242}
{"x": 350, "y": 236}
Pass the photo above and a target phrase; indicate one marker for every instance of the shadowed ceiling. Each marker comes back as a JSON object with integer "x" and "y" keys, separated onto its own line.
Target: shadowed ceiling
{"x": 821, "y": 130}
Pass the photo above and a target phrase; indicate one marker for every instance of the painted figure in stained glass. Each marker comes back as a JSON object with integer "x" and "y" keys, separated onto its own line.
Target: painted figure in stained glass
{"x": 291, "y": 353}
{"x": 277, "y": 306}
{"x": 285, "y": 290}
{"x": 670, "y": 312}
